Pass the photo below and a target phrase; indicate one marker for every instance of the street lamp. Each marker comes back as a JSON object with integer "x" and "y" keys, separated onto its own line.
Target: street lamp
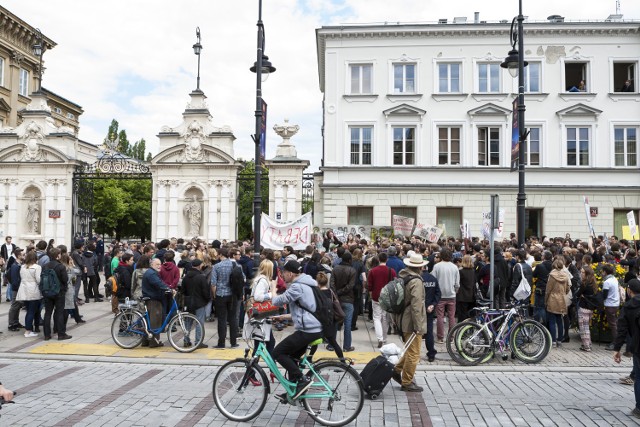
{"x": 38, "y": 50}
{"x": 515, "y": 63}
{"x": 197, "y": 48}
{"x": 260, "y": 67}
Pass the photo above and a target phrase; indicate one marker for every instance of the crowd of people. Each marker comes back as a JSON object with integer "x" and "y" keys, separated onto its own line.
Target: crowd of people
{"x": 444, "y": 282}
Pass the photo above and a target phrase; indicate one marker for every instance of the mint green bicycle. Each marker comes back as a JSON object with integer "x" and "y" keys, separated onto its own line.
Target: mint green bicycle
{"x": 241, "y": 386}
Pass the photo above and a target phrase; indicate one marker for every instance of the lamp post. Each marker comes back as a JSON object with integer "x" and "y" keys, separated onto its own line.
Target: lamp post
{"x": 515, "y": 63}
{"x": 38, "y": 50}
{"x": 197, "y": 48}
{"x": 261, "y": 66}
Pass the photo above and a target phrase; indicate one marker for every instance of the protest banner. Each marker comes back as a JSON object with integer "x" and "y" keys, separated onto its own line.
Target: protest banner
{"x": 587, "y": 211}
{"x": 631, "y": 219}
{"x": 465, "y": 229}
{"x": 277, "y": 235}
{"x": 486, "y": 225}
{"x": 428, "y": 232}
{"x": 367, "y": 232}
{"x": 402, "y": 225}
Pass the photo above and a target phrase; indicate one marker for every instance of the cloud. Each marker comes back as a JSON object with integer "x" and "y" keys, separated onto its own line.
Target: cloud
{"x": 132, "y": 60}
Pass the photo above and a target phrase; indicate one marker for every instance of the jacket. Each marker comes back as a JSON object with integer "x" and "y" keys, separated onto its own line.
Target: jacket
{"x": 431, "y": 290}
{"x": 136, "y": 282}
{"x": 378, "y": 277}
{"x": 628, "y": 325}
{"x": 342, "y": 282}
{"x": 414, "y": 316}
{"x": 124, "y": 284}
{"x": 467, "y": 290}
{"x": 61, "y": 272}
{"x": 502, "y": 272}
{"x": 90, "y": 262}
{"x": 196, "y": 290}
{"x": 152, "y": 285}
{"x": 30, "y": 281}
{"x": 78, "y": 260}
{"x": 448, "y": 276}
{"x": 300, "y": 293}
{"x": 14, "y": 276}
{"x": 170, "y": 274}
{"x": 557, "y": 287}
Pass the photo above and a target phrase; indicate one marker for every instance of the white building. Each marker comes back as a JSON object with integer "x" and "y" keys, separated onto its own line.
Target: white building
{"x": 417, "y": 122}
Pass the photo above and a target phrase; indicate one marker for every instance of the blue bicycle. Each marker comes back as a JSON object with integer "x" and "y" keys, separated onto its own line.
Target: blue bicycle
{"x": 184, "y": 331}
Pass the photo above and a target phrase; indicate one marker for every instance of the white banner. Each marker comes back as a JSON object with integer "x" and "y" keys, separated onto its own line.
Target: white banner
{"x": 402, "y": 225}
{"x": 486, "y": 225}
{"x": 632, "y": 223}
{"x": 587, "y": 211}
{"x": 277, "y": 235}
{"x": 465, "y": 229}
{"x": 428, "y": 232}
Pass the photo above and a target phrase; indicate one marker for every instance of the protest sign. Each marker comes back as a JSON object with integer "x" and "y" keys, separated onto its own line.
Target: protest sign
{"x": 486, "y": 225}
{"x": 402, "y": 225}
{"x": 277, "y": 235}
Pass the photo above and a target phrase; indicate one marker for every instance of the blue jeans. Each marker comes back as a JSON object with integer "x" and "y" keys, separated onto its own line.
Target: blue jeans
{"x": 636, "y": 384}
{"x": 348, "y": 316}
{"x": 32, "y": 320}
{"x": 556, "y": 327}
{"x": 201, "y": 315}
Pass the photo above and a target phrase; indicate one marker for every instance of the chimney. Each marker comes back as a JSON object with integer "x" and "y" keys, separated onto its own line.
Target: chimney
{"x": 476, "y": 17}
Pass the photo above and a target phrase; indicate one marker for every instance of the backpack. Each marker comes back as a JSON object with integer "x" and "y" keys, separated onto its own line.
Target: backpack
{"x": 236, "y": 281}
{"x": 391, "y": 297}
{"x": 324, "y": 309}
{"x": 49, "y": 283}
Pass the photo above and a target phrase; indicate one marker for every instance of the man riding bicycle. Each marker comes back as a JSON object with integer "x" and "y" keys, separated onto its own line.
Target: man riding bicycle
{"x": 307, "y": 327}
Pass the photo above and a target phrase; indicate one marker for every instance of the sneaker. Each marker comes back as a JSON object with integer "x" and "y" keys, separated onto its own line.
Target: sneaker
{"x": 330, "y": 348}
{"x": 203, "y": 345}
{"x": 635, "y": 412}
{"x": 236, "y": 345}
{"x": 30, "y": 334}
{"x": 610, "y": 347}
{"x": 440, "y": 341}
{"x": 380, "y": 344}
{"x": 412, "y": 387}
{"x": 432, "y": 358}
{"x": 64, "y": 337}
{"x": 303, "y": 385}
{"x": 587, "y": 349}
{"x": 282, "y": 397}
{"x": 397, "y": 377}
{"x": 627, "y": 381}
{"x": 352, "y": 348}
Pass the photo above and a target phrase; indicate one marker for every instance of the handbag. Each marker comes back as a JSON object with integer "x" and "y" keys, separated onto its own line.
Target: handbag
{"x": 524, "y": 288}
{"x": 338, "y": 312}
{"x": 260, "y": 310}
{"x": 568, "y": 298}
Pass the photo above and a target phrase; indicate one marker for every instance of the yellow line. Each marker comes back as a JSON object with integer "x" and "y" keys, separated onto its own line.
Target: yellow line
{"x": 167, "y": 352}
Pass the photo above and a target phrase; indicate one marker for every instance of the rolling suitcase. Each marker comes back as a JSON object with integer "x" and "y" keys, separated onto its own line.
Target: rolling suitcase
{"x": 376, "y": 375}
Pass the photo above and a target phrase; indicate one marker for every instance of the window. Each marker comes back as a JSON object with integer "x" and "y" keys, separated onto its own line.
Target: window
{"x": 532, "y": 152}
{"x": 577, "y": 146}
{"x": 488, "y": 146}
{"x": 626, "y": 146}
{"x": 57, "y": 110}
{"x": 575, "y": 75}
{"x": 360, "y": 75}
{"x": 449, "y": 78}
{"x": 451, "y": 219}
{"x": 488, "y": 78}
{"x": 361, "y": 145}
{"x": 70, "y": 116}
{"x": 361, "y": 215}
{"x": 409, "y": 212}
{"x": 624, "y": 72}
{"x": 23, "y": 87}
{"x": 532, "y": 77}
{"x": 1, "y": 71}
{"x": 532, "y": 222}
{"x": 620, "y": 223}
{"x": 448, "y": 145}
{"x": 404, "y": 145}
{"x": 404, "y": 78}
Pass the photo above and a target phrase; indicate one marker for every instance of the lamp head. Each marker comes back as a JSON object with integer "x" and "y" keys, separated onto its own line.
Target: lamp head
{"x": 511, "y": 63}
{"x": 267, "y": 68}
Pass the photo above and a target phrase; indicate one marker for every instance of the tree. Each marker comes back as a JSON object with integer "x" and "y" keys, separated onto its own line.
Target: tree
{"x": 246, "y": 187}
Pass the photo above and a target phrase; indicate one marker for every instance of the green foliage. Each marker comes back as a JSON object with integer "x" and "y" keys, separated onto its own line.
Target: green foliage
{"x": 246, "y": 187}
{"x": 135, "y": 151}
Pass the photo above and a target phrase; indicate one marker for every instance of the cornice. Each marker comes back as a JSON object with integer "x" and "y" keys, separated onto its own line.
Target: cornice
{"x": 18, "y": 34}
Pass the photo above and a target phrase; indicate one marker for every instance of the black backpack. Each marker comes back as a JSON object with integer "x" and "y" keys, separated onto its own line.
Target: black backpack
{"x": 236, "y": 281}
{"x": 49, "y": 283}
{"x": 324, "y": 309}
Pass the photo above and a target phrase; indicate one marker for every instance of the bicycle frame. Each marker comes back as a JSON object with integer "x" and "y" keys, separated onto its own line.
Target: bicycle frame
{"x": 147, "y": 321}
{"x": 504, "y": 332}
{"x": 290, "y": 387}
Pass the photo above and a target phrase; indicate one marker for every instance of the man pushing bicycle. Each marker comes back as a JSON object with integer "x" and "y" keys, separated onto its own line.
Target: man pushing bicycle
{"x": 307, "y": 327}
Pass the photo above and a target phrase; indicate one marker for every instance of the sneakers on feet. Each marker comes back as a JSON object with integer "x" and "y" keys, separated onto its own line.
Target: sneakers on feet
{"x": 636, "y": 412}
{"x": 282, "y": 397}
{"x": 627, "y": 381}
{"x": 30, "y": 334}
{"x": 610, "y": 347}
{"x": 412, "y": 387}
{"x": 380, "y": 344}
{"x": 303, "y": 385}
{"x": 587, "y": 349}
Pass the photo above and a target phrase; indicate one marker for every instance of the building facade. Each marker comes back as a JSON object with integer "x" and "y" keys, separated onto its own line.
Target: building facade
{"x": 418, "y": 123}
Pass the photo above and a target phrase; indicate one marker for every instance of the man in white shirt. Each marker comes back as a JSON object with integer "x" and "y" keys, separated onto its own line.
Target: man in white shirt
{"x": 611, "y": 301}
{"x": 448, "y": 276}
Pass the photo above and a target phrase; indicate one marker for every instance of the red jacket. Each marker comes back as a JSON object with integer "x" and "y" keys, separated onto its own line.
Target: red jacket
{"x": 170, "y": 274}
{"x": 377, "y": 278}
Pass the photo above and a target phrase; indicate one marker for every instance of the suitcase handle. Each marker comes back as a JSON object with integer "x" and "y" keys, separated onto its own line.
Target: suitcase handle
{"x": 408, "y": 343}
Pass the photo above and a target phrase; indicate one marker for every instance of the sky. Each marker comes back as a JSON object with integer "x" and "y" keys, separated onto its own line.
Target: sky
{"x": 133, "y": 60}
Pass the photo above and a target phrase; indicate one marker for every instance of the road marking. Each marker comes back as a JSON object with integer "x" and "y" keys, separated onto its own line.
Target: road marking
{"x": 47, "y": 380}
{"x": 105, "y": 400}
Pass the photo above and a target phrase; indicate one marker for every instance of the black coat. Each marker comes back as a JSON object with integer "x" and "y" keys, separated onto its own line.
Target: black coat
{"x": 196, "y": 290}
{"x": 628, "y": 325}
{"x": 517, "y": 276}
{"x": 343, "y": 279}
{"x": 124, "y": 283}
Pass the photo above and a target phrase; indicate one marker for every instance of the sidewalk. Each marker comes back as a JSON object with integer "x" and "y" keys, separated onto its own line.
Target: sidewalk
{"x": 92, "y": 342}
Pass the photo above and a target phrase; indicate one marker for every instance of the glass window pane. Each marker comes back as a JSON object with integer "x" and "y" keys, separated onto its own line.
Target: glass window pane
{"x": 571, "y": 134}
{"x": 409, "y": 133}
{"x": 443, "y": 78}
{"x": 495, "y": 77}
{"x": 397, "y": 79}
{"x": 584, "y": 133}
{"x": 366, "y": 78}
{"x": 534, "y": 74}
{"x": 355, "y": 79}
{"x": 482, "y": 77}
{"x": 410, "y": 85}
{"x": 409, "y": 160}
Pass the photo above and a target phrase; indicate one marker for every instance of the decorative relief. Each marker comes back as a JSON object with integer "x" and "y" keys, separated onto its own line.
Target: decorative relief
{"x": 32, "y": 139}
{"x": 193, "y": 139}
{"x": 16, "y": 58}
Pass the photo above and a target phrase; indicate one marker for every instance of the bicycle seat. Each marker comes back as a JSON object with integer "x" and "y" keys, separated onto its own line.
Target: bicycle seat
{"x": 484, "y": 302}
{"x": 316, "y": 342}
{"x": 145, "y": 298}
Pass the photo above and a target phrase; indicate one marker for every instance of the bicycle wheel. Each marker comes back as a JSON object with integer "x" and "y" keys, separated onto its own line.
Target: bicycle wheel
{"x": 239, "y": 391}
{"x": 348, "y": 394}
{"x": 469, "y": 344}
{"x": 530, "y": 341}
{"x": 128, "y": 329}
{"x": 186, "y": 335}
